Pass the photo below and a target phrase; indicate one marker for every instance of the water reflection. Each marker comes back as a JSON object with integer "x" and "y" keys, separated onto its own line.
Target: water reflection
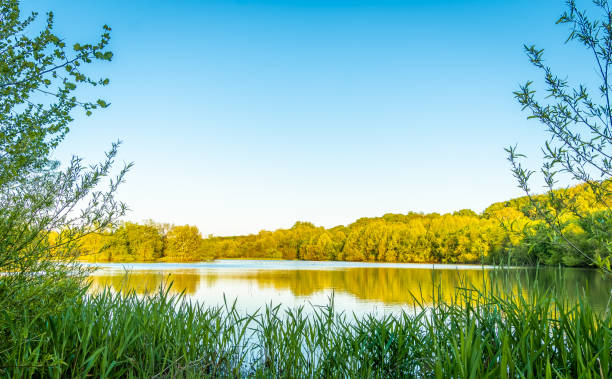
{"x": 356, "y": 287}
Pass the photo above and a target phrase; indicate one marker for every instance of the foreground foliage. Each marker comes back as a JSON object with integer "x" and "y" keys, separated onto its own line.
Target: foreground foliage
{"x": 472, "y": 335}
{"x": 41, "y": 77}
{"x": 578, "y": 120}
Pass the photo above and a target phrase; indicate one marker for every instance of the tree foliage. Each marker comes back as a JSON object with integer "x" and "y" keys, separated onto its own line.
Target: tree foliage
{"x": 578, "y": 120}
{"x": 132, "y": 242}
{"x": 39, "y": 80}
{"x": 506, "y": 232}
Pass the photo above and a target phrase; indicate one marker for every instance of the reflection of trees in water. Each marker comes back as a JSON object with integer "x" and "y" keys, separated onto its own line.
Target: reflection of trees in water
{"x": 576, "y": 284}
{"x": 397, "y": 285}
{"x": 148, "y": 281}
{"x": 388, "y": 285}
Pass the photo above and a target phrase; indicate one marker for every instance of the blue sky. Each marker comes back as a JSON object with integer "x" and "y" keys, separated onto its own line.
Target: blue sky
{"x": 250, "y": 115}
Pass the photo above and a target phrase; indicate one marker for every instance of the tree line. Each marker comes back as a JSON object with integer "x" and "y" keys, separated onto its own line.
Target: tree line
{"x": 506, "y": 232}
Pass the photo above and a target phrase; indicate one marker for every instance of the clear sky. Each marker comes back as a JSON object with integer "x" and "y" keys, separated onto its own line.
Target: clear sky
{"x": 250, "y": 115}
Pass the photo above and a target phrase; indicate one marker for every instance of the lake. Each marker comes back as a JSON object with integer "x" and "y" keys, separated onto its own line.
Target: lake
{"x": 356, "y": 287}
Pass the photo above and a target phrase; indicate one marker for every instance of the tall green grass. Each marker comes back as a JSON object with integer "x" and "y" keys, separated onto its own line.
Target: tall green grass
{"x": 476, "y": 334}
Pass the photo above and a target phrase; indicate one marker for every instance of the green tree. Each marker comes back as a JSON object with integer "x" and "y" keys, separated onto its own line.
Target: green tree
{"x": 184, "y": 244}
{"x": 39, "y": 80}
{"x": 579, "y": 124}
{"x": 144, "y": 241}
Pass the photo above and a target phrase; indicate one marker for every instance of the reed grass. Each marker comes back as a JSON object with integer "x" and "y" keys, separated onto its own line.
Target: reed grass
{"x": 477, "y": 334}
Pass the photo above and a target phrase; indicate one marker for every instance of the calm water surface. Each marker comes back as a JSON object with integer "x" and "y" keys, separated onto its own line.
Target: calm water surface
{"x": 356, "y": 287}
